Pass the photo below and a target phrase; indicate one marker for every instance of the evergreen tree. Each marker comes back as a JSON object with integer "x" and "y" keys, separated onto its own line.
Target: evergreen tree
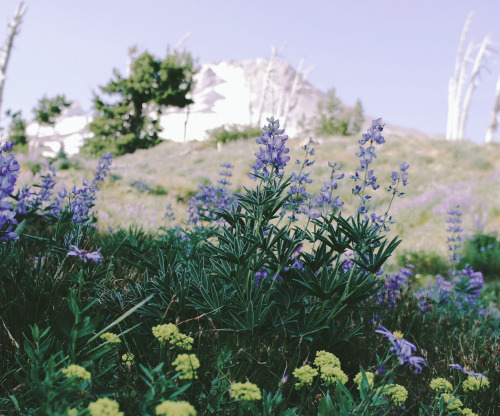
{"x": 17, "y": 129}
{"x": 49, "y": 108}
{"x": 357, "y": 118}
{"x": 130, "y": 120}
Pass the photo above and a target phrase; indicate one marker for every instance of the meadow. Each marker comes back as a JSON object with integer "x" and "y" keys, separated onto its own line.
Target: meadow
{"x": 337, "y": 276}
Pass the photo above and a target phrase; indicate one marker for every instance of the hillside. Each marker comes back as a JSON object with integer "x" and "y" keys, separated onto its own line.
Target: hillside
{"x": 441, "y": 175}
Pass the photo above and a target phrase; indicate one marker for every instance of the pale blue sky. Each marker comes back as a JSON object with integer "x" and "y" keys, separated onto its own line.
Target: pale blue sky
{"x": 395, "y": 55}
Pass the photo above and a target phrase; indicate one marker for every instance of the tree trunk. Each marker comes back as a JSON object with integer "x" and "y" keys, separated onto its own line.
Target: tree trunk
{"x": 12, "y": 32}
{"x": 494, "y": 121}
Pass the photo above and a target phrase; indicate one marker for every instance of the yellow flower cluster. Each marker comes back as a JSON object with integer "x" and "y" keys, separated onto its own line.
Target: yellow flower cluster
{"x": 452, "y": 403}
{"x": 395, "y": 393}
{"x": 111, "y": 338}
{"x": 467, "y": 412}
{"x": 187, "y": 364}
{"x": 330, "y": 375}
{"x": 77, "y": 371}
{"x": 245, "y": 391}
{"x": 170, "y": 333}
{"x": 441, "y": 384}
{"x": 104, "y": 407}
{"x": 326, "y": 358}
{"x": 168, "y": 408}
{"x": 474, "y": 384}
{"x": 305, "y": 375}
{"x": 72, "y": 412}
{"x": 128, "y": 358}
{"x": 329, "y": 370}
{"x": 370, "y": 377}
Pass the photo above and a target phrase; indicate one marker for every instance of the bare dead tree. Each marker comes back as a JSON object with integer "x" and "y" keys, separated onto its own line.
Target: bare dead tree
{"x": 296, "y": 88}
{"x": 453, "y": 84}
{"x": 12, "y": 31}
{"x": 496, "y": 110}
{"x": 265, "y": 87}
{"x": 463, "y": 83}
{"x": 479, "y": 63}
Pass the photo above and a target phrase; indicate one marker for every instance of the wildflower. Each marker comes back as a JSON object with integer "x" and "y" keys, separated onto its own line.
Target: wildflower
{"x": 84, "y": 255}
{"x": 441, "y": 384}
{"x": 245, "y": 391}
{"x": 170, "y": 333}
{"x": 128, "y": 358}
{"x": 330, "y": 375}
{"x": 9, "y": 169}
{"x": 273, "y": 153}
{"x": 395, "y": 393}
{"x": 111, "y": 338}
{"x": 181, "y": 408}
{"x": 76, "y": 371}
{"x": 403, "y": 349}
{"x": 394, "y": 287}
{"x": 452, "y": 402}
{"x": 164, "y": 332}
{"x": 103, "y": 167}
{"x": 467, "y": 371}
{"x": 104, "y": 407}
{"x": 305, "y": 376}
{"x": 370, "y": 377}
{"x": 475, "y": 384}
{"x": 324, "y": 358}
{"x": 187, "y": 364}
{"x": 72, "y": 412}
{"x": 467, "y": 412}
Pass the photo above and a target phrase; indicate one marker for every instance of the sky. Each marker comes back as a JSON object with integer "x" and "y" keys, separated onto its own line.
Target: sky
{"x": 395, "y": 56}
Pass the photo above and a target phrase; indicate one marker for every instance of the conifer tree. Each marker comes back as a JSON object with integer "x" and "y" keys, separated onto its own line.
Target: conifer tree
{"x": 130, "y": 119}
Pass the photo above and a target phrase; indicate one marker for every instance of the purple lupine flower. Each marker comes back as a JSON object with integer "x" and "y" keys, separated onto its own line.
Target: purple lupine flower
{"x": 84, "y": 255}
{"x": 82, "y": 203}
{"x": 9, "y": 169}
{"x": 366, "y": 156}
{"x": 403, "y": 349}
{"x": 273, "y": 154}
{"x": 394, "y": 287}
{"x": 103, "y": 167}
{"x": 454, "y": 238}
{"x": 467, "y": 371}
{"x": 169, "y": 213}
{"x": 24, "y": 202}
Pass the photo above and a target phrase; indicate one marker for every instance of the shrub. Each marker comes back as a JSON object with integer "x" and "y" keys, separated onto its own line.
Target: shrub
{"x": 482, "y": 252}
{"x": 231, "y": 133}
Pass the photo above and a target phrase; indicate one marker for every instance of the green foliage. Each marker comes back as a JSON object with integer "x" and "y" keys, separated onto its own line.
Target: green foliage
{"x": 333, "y": 119}
{"x": 130, "y": 119}
{"x": 231, "y": 133}
{"x": 17, "y": 129}
{"x": 425, "y": 263}
{"x": 49, "y": 108}
{"x": 482, "y": 252}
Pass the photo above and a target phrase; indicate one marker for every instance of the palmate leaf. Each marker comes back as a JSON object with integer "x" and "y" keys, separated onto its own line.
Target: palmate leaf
{"x": 310, "y": 321}
{"x": 373, "y": 261}
{"x": 326, "y": 285}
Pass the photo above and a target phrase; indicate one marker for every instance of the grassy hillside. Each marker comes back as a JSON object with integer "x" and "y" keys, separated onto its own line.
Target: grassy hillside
{"x": 442, "y": 174}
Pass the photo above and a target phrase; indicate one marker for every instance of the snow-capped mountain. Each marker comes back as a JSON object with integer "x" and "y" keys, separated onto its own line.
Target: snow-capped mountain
{"x": 227, "y": 92}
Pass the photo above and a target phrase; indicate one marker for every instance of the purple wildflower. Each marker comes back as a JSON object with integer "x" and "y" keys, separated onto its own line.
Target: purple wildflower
{"x": 403, "y": 349}
{"x": 454, "y": 238}
{"x": 9, "y": 169}
{"x": 467, "y": 371}
{"x": 273, "y": 154}
{"x": 84, "y": 255}
{"x": 103, "y": 168}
